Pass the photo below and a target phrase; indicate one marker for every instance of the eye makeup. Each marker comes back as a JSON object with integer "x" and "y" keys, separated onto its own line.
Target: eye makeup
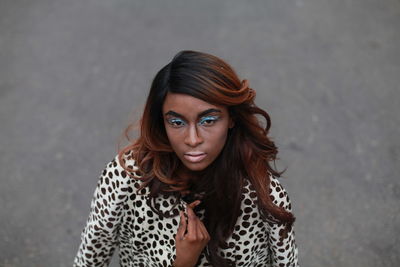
{"x": 208, "y": 120}
{"x": 176, "y": 122}
{"x": 204, "y": 119}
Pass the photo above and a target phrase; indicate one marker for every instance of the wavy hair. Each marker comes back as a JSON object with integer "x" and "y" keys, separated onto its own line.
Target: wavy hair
{"x": 247, "y": 154}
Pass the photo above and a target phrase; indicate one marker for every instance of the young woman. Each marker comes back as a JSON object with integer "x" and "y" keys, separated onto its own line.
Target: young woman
{"x": 197, "y": 187}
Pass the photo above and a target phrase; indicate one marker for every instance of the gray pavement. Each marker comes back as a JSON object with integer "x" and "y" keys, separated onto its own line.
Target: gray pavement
{"x": 74, "y": 73}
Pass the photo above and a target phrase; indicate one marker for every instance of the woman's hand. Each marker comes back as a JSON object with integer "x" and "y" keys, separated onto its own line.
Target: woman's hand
{"x": 191, "y": 238}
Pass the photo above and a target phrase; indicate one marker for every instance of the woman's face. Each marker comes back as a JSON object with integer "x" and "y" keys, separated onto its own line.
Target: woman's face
{"x": 196, "y": 130}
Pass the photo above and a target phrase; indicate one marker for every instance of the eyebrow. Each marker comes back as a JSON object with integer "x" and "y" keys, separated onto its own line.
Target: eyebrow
{"x": 201, "y": 114}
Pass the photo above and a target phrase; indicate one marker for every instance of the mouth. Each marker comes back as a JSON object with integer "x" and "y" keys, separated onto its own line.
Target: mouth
{"x": 194, "y": 157}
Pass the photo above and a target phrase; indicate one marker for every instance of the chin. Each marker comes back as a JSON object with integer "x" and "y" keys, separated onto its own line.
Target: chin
{"x": 196, "y": 167}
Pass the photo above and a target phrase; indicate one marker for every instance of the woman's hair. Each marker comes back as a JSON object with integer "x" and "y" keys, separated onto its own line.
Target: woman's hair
{"x": 246, "y": 155}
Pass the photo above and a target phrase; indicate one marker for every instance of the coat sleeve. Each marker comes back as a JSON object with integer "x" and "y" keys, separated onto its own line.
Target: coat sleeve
{"x": 283, "y": 248}
{"x": 99, "y": 237}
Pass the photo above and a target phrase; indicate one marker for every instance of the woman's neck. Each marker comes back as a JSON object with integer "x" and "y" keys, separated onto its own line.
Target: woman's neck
{"x": 187, "y": 175}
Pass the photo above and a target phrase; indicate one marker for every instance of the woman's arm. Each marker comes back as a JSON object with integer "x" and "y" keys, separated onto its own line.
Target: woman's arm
{"x": 99, "y": 236}
{"x": 283, "y": 247}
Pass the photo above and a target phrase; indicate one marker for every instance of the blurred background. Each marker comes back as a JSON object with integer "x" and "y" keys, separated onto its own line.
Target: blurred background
{"x": 74, "y": 74}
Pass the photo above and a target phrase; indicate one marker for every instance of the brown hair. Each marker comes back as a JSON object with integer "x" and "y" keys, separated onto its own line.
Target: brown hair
{"x": 246, "y": 155}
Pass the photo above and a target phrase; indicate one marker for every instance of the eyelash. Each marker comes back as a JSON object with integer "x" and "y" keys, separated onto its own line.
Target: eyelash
{"x": 174, "y": 120}
{"x": 212, "y": 120}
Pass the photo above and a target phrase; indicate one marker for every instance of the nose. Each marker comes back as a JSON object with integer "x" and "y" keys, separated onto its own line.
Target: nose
{"x": 192, "y": 137}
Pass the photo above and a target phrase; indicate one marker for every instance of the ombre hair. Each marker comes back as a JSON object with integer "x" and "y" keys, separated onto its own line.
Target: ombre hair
{"x": 246, "y": 156}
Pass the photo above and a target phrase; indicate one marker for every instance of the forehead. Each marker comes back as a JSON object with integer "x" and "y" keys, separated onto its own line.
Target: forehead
{"x": 186, "y": 104}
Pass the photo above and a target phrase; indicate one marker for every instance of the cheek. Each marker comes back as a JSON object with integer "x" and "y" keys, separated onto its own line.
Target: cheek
{"x": 218, "y": 139}
{"x": 223, "y": 138}
{"x": 173, "y": 138}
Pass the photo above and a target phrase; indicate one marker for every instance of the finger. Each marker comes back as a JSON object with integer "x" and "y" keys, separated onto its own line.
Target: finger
{"x": 203, "y": 230}
{"x": 191, "y": 224}
{"x": 194, "y": 204}
{"x": 182, "y": 226}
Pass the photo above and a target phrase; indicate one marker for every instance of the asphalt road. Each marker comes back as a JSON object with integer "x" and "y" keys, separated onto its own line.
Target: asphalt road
{"x": 73, "y": 74}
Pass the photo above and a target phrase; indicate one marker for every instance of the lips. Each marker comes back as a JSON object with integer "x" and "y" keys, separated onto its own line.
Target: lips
{"x": 194, "y": 157}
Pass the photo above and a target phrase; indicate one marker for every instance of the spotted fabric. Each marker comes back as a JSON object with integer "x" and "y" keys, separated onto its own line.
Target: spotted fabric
{"x": 120, "y": 217}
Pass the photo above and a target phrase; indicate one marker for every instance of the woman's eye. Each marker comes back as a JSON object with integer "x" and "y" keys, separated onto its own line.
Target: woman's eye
{"x": 208, "y": 120}
{"x": 176, "y": 122}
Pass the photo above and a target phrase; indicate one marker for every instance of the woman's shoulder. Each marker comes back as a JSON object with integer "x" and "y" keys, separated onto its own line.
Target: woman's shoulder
{"x": 121, "y": 173}
{"x": 120, "y": 167}
{"x": 277, "y": 192}
{"x": 126, "y": 162}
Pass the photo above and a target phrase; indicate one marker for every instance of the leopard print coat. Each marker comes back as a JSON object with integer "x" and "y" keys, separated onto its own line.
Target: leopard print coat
{"x": 120, "y": 217}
